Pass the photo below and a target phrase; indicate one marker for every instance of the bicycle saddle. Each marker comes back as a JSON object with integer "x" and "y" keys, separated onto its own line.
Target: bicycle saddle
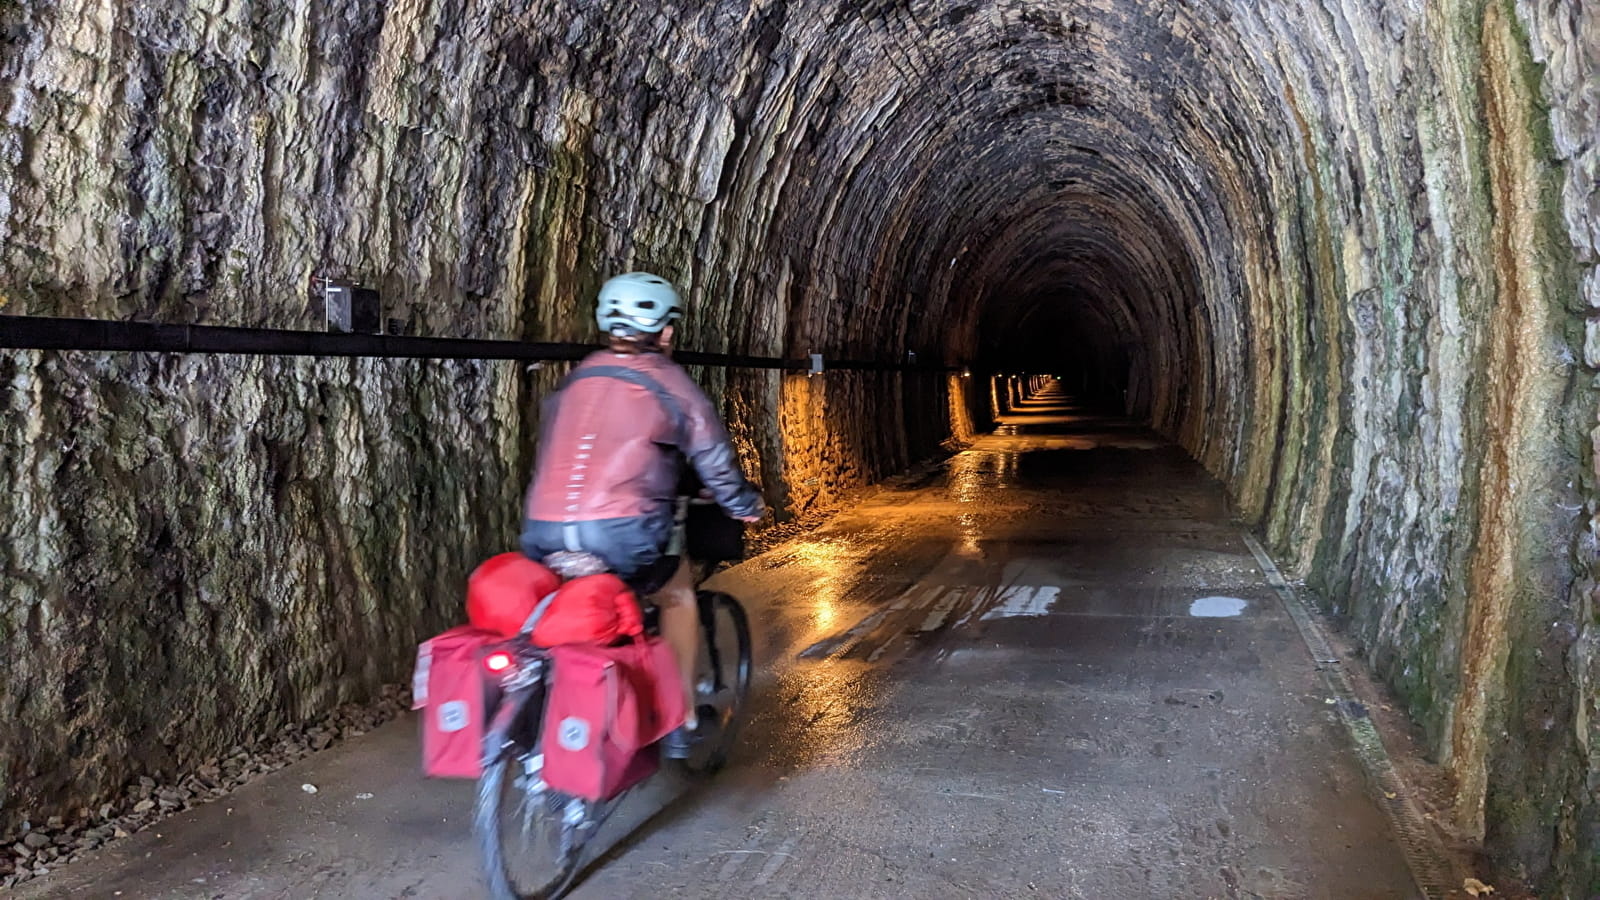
{"x": 575, "y": 564}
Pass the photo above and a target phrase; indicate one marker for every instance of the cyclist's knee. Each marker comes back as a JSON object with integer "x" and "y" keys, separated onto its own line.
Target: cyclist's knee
{"x": 675, "y": 599}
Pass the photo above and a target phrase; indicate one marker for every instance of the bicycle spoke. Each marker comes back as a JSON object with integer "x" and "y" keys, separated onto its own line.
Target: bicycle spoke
{"x": 527, "y": 842}
{"x": 533, "y": 837}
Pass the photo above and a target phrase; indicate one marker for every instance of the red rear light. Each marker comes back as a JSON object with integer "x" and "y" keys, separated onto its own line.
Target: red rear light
{"x": 497, "y": 662}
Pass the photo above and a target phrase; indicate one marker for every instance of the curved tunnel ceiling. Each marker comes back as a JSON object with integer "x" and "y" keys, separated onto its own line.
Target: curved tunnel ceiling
{"x": 1285, "y": 233}
{"x": 1339, "y": 250}
{"x": 974, "y": 162}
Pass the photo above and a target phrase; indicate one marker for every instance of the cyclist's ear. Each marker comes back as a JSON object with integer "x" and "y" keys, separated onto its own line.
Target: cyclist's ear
{"x": 667, "y": 334}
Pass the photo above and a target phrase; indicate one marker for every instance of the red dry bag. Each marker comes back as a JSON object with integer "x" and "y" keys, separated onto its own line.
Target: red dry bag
{"x": 594, "y": 609}
{"x": 502, "y": 592}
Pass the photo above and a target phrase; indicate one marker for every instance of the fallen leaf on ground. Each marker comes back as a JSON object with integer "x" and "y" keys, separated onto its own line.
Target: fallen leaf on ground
{"x": 1477, "y": 888}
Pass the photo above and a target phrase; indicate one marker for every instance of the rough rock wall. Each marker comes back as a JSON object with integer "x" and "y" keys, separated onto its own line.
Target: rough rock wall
{"x": 1564, "y": 649}
{"x": 1345, "y": 252}
{"x": 1413, "y": 438}
{"x": 252, "y": 541}
{"x": 197, "y": 550}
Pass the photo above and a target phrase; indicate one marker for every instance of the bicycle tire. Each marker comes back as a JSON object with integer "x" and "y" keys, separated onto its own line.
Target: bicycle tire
{"x": 733, "y": 675}
{"x": 488, "y": 822}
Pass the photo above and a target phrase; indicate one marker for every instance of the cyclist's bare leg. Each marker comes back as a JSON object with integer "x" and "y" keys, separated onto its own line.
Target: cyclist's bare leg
{"x": 680, "y": 625}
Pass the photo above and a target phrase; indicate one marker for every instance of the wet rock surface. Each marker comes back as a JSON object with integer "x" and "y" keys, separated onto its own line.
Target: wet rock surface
{"x": 1344, "y": 253}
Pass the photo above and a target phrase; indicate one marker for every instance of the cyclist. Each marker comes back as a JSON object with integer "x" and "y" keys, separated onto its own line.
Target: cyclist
{"x": 610, "y": 451}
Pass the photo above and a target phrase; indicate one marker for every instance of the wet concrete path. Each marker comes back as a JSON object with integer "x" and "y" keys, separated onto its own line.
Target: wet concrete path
{"x": 1053, "y": 669}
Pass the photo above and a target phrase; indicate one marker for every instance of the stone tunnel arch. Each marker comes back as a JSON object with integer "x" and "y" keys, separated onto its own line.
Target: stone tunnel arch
{"x": 1342, "y": 253}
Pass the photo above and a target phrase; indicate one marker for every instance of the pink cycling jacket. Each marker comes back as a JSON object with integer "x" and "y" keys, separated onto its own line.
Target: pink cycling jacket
{"x": 608, "y": 442}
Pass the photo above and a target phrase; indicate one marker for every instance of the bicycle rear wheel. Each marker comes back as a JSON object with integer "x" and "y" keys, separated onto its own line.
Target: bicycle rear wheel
{"x": 529, "y": 834}
{"x": 723, "y": 683}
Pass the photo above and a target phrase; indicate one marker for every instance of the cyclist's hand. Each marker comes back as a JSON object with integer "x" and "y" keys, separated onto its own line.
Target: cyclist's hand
{"x": 752, "y": 519}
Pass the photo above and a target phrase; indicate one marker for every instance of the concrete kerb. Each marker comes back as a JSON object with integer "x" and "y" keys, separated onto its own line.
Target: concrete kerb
{"x": 1433, "y": 867}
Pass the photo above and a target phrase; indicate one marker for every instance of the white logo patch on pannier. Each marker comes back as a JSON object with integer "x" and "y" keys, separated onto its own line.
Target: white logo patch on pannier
{"x": 453, "y": 716}
{"x": 573, "y": 735}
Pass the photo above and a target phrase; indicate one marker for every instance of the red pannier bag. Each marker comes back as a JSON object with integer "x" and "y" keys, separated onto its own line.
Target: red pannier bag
{"x": 502, "y": 592}
{"x": 448, "y": 687}
{"x": 607, "y": 707}
{"x": 594, "y": 609}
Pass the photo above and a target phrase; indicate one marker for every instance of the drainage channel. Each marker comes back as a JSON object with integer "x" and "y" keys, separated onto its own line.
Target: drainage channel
{"x": 1432, "y": 866}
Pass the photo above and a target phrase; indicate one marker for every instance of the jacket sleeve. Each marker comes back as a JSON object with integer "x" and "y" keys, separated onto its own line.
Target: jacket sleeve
{"x": 710, "y": 451}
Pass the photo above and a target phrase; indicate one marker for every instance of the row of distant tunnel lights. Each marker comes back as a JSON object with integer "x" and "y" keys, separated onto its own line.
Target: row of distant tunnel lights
{"x": 818, "y": 365}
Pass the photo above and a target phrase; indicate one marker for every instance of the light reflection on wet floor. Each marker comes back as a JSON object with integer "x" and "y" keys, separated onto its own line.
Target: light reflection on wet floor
{"x": 1056, "y": 671}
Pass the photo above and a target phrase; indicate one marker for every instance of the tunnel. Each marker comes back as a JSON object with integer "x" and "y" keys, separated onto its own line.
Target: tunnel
{"x": 1342, "y": 254}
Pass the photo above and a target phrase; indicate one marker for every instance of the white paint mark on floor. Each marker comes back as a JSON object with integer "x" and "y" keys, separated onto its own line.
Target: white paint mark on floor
{"x": 883, "y": 648}
{"x": 778, "y": 858}
{"x": 1023, "y": 600}
{"x": 1217, "y": 607}
{"x": 940, "y": 611}
{"x": 979, "y": 598}
{"x": 846, "y": 642}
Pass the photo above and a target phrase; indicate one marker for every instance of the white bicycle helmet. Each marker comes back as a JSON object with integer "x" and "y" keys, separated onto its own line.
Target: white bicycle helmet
{"x": 637, "y": 303}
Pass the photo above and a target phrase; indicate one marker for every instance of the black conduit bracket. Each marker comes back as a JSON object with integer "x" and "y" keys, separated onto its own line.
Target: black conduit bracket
{"x": 108, "y": 335}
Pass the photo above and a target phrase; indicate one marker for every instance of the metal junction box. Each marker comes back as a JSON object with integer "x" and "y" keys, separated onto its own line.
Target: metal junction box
{"x": 351, "y": 308}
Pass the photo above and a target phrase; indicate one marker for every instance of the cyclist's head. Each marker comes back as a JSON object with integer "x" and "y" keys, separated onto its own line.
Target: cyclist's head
{"x": 635, "y": 310}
